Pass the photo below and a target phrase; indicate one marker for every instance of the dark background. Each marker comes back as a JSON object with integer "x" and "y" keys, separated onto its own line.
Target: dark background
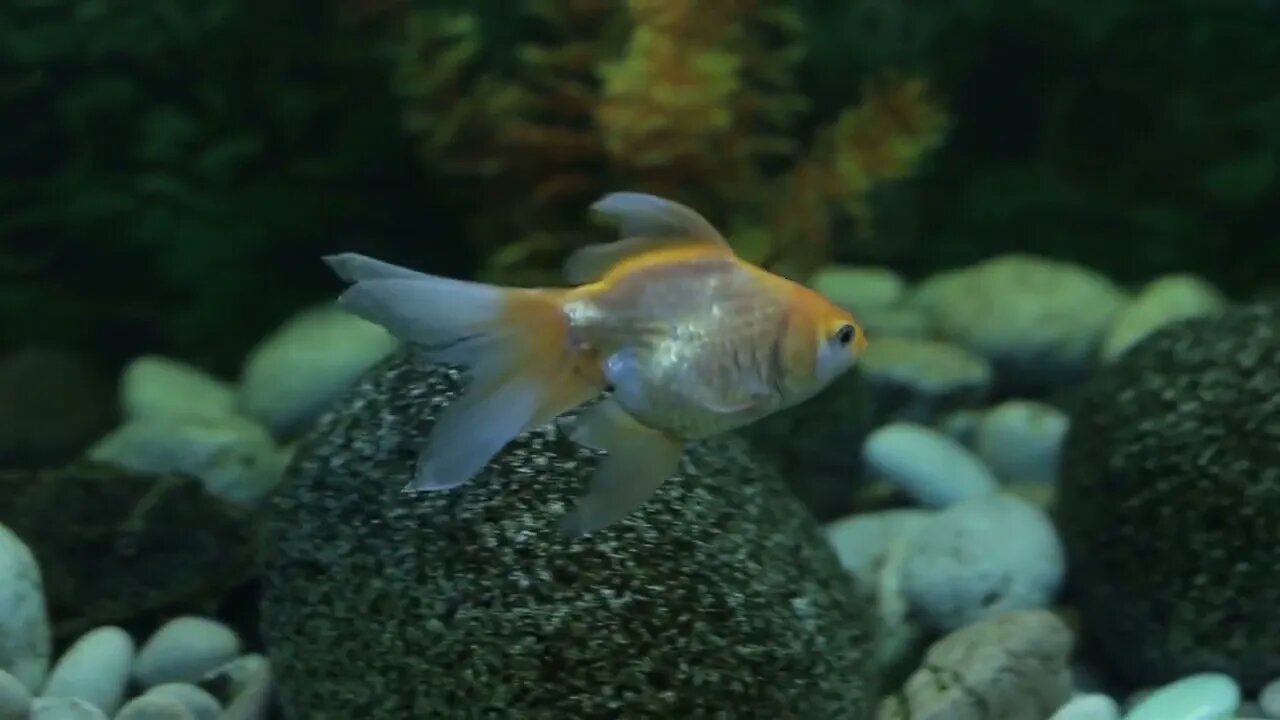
{"x": 171, "y": 170}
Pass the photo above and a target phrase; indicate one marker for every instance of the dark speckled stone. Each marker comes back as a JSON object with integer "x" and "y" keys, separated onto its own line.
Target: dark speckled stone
{"x": 718, "y": 599}
{"x": 817, "y": 445}
{"x": 119, "y": 547}
{"x": 1170, "y": 501}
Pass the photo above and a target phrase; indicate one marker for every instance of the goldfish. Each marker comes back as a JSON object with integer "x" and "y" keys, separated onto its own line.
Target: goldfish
{"x": 683, "y": 338}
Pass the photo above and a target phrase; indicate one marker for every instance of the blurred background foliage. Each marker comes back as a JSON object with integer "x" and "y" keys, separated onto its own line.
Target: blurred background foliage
{"x": 173, "y": 169}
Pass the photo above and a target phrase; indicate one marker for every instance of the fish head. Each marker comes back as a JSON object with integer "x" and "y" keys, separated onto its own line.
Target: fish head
{"x": 839, "y": 338}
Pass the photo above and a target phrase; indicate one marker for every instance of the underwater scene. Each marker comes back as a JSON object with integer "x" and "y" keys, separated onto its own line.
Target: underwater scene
{"x": 653, "y": 359}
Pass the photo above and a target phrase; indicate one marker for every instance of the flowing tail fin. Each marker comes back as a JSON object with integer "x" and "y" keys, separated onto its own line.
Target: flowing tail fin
{"x": 514, "y": 342}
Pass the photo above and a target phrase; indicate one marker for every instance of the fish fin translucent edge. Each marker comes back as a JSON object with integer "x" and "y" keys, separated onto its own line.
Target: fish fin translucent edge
{"x": 513, "y": 342}
{"x": 638, "y": 461}
{"x": 645, "y": 223}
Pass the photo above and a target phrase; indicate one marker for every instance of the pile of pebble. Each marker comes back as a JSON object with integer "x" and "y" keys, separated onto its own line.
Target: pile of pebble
{"x": 974, "y": 561}
{"x": 967, "y": 575}
{"x": 190, "y": 668}
{"x": 235, "y": 437}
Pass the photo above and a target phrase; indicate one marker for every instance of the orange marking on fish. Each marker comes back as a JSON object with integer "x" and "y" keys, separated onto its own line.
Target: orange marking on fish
{"x": 692, "y": 341}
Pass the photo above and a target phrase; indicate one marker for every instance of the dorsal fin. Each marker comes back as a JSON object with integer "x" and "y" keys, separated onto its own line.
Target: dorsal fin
{"x": 645, "y": 222}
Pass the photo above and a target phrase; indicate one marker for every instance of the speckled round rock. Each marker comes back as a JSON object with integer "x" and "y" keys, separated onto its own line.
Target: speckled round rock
{"x": 1170, "y": 501}
{"x": 814, "y": 445}
{"x": 720, "y": 593}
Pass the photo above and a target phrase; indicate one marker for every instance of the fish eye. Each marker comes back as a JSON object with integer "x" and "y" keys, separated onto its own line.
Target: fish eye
{"x": 845, "y": 334}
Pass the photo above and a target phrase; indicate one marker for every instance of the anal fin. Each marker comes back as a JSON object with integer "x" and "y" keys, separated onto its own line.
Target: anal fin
{"x": 639, "y": 460}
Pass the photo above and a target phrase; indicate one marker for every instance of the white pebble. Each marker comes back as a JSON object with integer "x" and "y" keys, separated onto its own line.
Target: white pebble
{"x": 251, "y": 685}
{"x": 294, "y": 375}
{"x": 894, "y": 321}
{"x": 235, "y": 458}
{"x": 1021, "y": 440}
{"x": 983, "y": 557}
{"x": 231, "y": 679}
{"x": 1161, "y": 302}
{"x": 1207, "y": 696}
{"x": 151, "y": 707}
{"x": 861, "y": 541}
{"x": 931, "y": 467}
{"x": 1269, "y": 699}
{"x": 871, "y": 547}
{"x": 915, "y": 380}
{"x": 184, "y": 650}
{"x": 198, "y": 701}
{"x": 154, "y": 386}
{"x": 95, "y": 669}
{"x": 15, "y": 700}
{"x": 1038, "y": 320}
{"x": 900, "y": 632}
{"x": 64, "y": 709}
{"x": 24, "y": 619}
{"x": 1094, "y": 706}
{"x": 859, "y": 288}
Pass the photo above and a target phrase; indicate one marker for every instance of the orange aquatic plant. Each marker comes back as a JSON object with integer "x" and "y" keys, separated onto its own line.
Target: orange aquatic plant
{"x": 692, "y": 99}
{"x": 883, "y": 138}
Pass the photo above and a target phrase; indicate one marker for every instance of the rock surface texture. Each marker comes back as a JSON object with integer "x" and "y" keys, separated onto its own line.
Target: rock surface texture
{"x": 719, "y": 596}
{"x": 1170, "y": 501}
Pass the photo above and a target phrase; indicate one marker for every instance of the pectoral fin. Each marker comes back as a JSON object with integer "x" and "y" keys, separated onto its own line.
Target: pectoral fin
{"x": 639, "y": 459}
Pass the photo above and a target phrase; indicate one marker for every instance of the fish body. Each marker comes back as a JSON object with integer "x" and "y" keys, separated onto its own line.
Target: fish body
{"x": 691, "y": 341}
{"x": 695, "y": 346}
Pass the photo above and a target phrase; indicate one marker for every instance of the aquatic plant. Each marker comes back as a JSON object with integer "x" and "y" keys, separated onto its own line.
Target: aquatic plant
{"x": 1136, "y": 138}
{"x": 695, "y": 101}
{"x": 880, "y": 140}
{"x": 509, "y": 117}
{"x": 163, "y": 163}
{"x": 679, "y": 106}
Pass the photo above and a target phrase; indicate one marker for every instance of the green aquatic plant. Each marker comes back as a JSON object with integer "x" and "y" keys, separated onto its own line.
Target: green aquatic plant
{"x": 1137, "y": 138}
{"x": 696, "y": 101}
{"x": 165, "y": 161}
